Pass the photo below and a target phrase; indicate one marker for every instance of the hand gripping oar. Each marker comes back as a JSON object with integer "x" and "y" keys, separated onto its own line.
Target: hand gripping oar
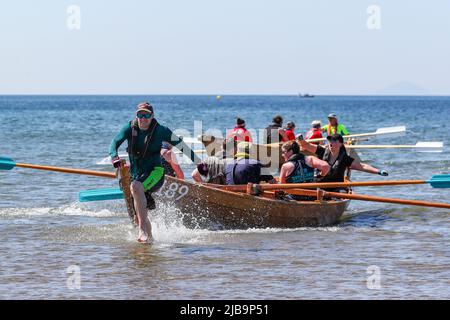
{"x": 368, "y": 198}
{"x": 437, "y": 181}
{"x": 8, "y": 164}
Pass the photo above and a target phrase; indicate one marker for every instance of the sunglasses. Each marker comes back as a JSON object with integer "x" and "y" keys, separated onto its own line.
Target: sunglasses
{"x": 144, "y": 115}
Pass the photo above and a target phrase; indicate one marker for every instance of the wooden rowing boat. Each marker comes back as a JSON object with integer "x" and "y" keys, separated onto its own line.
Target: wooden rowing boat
{"x": 205, "y": 206}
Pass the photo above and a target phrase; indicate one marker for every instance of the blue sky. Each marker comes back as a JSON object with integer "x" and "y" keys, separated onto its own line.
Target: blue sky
{"x": 224, "y": 47}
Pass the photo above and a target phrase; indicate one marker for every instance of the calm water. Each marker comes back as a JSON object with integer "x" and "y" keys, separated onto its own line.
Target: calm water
{"x": 44, "y": 229}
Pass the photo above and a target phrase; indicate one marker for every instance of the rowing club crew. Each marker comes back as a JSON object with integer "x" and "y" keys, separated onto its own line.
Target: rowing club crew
{"x": 329, "y": 164}
{"x": 151, "y": 157}
{"x": 275, "y": 132}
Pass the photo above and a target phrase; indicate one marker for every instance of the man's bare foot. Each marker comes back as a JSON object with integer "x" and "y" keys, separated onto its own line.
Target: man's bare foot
{"x": 148, "y": 240}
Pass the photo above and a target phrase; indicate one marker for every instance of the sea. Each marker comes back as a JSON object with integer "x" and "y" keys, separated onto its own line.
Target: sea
{"x": 55, "y": 247}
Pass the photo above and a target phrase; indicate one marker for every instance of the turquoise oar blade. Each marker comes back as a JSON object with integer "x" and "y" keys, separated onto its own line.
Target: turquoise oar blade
{"x": 100, "y": 194}
{"x": 440, "y": 181}
{"x": 6, "y": 163}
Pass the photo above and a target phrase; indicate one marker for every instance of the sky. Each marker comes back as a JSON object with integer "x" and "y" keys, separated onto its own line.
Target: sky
{"x": 225, "y": 47}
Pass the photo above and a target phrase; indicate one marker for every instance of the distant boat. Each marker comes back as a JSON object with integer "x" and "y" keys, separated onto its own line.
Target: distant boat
{"x": 306, "y": 95}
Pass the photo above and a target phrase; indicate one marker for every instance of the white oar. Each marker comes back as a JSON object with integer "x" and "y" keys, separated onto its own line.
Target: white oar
{"x": 391, "y": 131}
{"x": 191, "y": 140}
{"x": 434, "y": 146}
{"x": 107, "y": 160}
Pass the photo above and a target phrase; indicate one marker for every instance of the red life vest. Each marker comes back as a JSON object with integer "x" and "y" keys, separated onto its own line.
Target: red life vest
{"x": 290, "y": 134}
{"x": 240, "y": 134}
{"x": 314, "y": 133}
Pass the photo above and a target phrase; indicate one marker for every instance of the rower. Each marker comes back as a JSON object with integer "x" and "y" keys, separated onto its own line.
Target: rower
{"x": 212, "y": 169}
{"x": 335, "y": 154}
{"x": 289, "y": 130}
{"x": 299, "y": 168}
{"x": 245, "y": 170}
{"x": 333, "y": 127}
{"x": 274, "y": 132}
{"x": 169, "y": 162}
{"x": 315, "y": 132}
{"x": 239, "y": 132}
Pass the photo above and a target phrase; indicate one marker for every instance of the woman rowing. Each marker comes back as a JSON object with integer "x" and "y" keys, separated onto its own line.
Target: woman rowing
{"x": 335, "y": 154}
{"x": 145, "y": 137}
{"x": 299, "y": 168}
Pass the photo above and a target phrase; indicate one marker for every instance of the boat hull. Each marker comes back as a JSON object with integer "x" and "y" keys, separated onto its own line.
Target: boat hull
{"x": 203, "y": 206}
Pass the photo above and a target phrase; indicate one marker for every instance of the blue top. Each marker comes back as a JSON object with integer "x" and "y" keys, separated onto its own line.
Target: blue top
{"x": 245, "y": 171}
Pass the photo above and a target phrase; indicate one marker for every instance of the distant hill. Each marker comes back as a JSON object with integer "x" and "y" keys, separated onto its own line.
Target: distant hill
{"x": 404, "y": 88}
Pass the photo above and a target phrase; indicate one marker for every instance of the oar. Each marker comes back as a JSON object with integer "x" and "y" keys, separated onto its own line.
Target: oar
{"x": 391, "y": 131}
{"x": 437, "y": 181}
{"x": 369, "y": 198}
{"x": 434, "y": 146}
{"x": 8, "y": 164}
{"x": 100, "y": 194}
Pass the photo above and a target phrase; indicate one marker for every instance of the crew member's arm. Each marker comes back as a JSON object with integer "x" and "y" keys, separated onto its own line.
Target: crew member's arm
{"x": 305, "y": 145}
{"x": 286, "y": 169}
{"x": 318, "y": 164}
{"x": 356, "y": 165}
{"x": 171, "y": 158}
{"x": 196, "y": 176}
{"x": 174, "y": 140}
{"x": 344, "y": 130}
{"x": 116, "y": 143}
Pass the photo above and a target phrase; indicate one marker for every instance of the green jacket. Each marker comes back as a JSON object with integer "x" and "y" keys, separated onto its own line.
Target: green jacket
{"x": 139, "y": 166}
{"x": 332, "y": 130}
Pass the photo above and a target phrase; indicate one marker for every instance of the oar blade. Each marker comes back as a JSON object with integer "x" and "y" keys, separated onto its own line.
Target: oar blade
{"x": 391, "y": 131}
{"x": 440, "y": 181}
{"x": 100, "y": 194}
{"x": 6, "y": 163}
{"x": 429, "y": 146}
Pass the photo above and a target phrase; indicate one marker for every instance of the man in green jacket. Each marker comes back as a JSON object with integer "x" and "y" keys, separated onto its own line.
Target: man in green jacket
{"x": 145, "y": 137}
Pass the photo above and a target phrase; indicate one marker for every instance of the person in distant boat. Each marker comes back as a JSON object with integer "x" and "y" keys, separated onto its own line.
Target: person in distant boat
{"x": 212, "y": 169}
{"x": 274, "y": 132}
{"x": 335, "y": 154}
{"x": 333, "y": 127}
{"x": 289, "y": 130}
{"x": 299, "y": 168}
{"x": 145, "y": 136}
{"x": 239, "y": 132}
{"x": 315, "y": 132}
{"x": 169, "y": 162}
{"x": 245, "y": 170}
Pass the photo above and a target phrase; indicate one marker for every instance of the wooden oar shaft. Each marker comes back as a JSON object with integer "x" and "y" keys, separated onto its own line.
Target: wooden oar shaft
{"x": 372, "y": 198}
{"x": 68, "y": 170}
{"x": 325, "y": 185}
